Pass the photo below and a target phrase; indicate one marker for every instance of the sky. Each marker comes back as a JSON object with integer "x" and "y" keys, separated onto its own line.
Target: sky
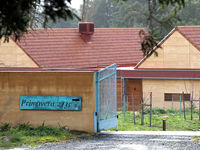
{"x": 76, "y": 3}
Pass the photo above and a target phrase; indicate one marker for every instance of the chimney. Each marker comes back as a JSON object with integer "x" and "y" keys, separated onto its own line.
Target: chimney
{"x": 86, "y": 29}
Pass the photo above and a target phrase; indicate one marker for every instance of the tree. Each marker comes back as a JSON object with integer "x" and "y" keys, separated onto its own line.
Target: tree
{"x": 15, "y": 15}
{"x": 62, "y": 23}
{"x": 104, "y": 12}
{"x": 130, "y": 14}
{"x": 190, "y": 14}
{"x": 87, "y": 10}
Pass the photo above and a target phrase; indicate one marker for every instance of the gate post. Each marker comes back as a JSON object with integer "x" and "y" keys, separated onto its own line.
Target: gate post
{"x": 96, "y": 105}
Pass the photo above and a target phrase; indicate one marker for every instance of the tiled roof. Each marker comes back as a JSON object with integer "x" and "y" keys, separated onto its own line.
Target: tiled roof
{"x": 64, "y": 48}
{"x": 191, "y": 33}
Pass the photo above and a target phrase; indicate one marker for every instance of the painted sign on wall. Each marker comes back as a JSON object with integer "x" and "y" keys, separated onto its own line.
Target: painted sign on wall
{"x": 50, "y": 102}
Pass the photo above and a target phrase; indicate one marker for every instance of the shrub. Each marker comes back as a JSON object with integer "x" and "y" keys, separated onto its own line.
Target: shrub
{"x": 24, "y": 126}
{"x": 5, "y": 127}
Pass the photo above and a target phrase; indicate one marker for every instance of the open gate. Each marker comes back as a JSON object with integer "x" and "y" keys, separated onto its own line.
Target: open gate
{"x": 107, "y": 98}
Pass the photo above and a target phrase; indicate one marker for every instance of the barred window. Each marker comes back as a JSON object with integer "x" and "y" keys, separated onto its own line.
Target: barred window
{"x": 176, "y": 96}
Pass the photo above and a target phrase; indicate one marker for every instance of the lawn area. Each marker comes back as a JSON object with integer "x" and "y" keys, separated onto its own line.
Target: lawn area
{"x": 24, "y": 134}
{"x": 173, "y": 121}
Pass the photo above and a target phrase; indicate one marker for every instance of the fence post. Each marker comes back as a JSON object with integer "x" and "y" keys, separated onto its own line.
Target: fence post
{"x": 199, "y": 107}
{"x": 199, "y": 110}
{"x": 122, "y": 93}
{"x": 124, "y": 107}
{"x": 172, "y": 103}
{"x": 133, "y": 108}
{"x": 192, "y": 106}
{"x": 180, "y": 106}
{"x": 142, "y": 115}
{"x": 164, "y": 125}
{"x": 127, "y": 102}
{"x": 150, "y": 108}
{"x": 184, "y": 106}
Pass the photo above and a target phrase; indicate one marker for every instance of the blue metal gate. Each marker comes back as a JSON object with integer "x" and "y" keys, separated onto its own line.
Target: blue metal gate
{"x": 107, "y": 98}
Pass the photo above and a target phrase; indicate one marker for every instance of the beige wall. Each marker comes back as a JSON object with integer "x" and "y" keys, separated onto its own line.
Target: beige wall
{"x": 13, "y": 85}
{"x": 11, "y": 55}
{"x": 176, "y": 52}
{"x": 159, "y": 87}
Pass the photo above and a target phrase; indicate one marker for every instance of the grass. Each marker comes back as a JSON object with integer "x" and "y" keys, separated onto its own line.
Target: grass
{"x": 196, "y": 139}
{"x": 173, "y": 121}
{"x": 26, "y": 135}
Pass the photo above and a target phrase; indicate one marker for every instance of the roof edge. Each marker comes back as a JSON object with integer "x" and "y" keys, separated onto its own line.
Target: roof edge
{"x": 25, "y": 52}
{"x": 177, "y": 28}
{"x": 156, "y": 47}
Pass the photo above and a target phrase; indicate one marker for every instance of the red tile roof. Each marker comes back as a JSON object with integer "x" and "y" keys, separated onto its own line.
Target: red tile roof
{"x": 64, "y": 48}
{"x": 191, "y": 33}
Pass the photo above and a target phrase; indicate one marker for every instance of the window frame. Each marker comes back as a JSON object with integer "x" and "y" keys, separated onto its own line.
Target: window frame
{"x": 176, "y": 97}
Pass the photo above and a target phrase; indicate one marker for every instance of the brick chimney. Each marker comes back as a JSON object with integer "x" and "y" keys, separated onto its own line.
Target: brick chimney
{"x": 86, "y": 30}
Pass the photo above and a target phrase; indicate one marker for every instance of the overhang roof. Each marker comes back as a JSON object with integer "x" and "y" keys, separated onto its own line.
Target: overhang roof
{"x": 159, "y": 74}
{"x": 21, "y": 69}
{"x": 64, "y": 48}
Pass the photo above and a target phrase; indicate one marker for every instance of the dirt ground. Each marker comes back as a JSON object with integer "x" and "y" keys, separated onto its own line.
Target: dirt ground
{"x": 105, "y": 141}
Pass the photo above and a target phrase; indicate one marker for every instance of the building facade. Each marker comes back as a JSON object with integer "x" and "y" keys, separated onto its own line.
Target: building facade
{"x": 176, "y": 69}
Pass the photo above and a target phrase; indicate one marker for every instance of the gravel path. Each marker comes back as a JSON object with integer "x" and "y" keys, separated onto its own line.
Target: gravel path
{"x": 105, "y": 141}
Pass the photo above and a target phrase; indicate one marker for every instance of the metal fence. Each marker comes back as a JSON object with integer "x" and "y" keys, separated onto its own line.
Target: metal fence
{"x": 144, "y": 114}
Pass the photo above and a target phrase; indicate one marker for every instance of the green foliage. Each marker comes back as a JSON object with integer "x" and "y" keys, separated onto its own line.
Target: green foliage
{"x": 24, "y": 126}
{"x": 15, "y": 138}
{"x": 25, "y": 134}
{"x": 156, "y": 111}
{"x": 15, "y": 15}
{"x": 5, "y": 127}
{"x": 163, "y": 3}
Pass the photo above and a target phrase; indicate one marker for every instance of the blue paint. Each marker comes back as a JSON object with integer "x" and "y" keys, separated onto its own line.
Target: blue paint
{"x": 107, "y": 98}
{"x": 116, "y": 94}
{"x": 99, "y": 102}
{"x": 107, "y": 68}
{"x": 108, "y": 123}
{"x": 50, "y": 102}
{"x": 96, "y": 97}
{"x": 107, "y": 76}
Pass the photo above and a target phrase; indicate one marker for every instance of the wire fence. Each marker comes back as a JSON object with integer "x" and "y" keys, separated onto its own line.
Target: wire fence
{"x": 144, "y": 114}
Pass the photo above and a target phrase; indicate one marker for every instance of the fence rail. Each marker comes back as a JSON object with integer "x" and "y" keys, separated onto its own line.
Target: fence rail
{"x": 145, "y": 110}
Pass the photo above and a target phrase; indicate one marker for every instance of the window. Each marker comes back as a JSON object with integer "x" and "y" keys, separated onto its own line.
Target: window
{"x": 176, "y": 96}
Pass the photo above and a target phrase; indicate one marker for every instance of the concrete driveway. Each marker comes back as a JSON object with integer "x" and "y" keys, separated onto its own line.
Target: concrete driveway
{"x": 131, "y": 140}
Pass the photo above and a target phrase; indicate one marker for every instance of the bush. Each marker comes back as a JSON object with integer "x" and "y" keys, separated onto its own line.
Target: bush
{"x": 24, "y": 127}
{"x": 5, "y": 127}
